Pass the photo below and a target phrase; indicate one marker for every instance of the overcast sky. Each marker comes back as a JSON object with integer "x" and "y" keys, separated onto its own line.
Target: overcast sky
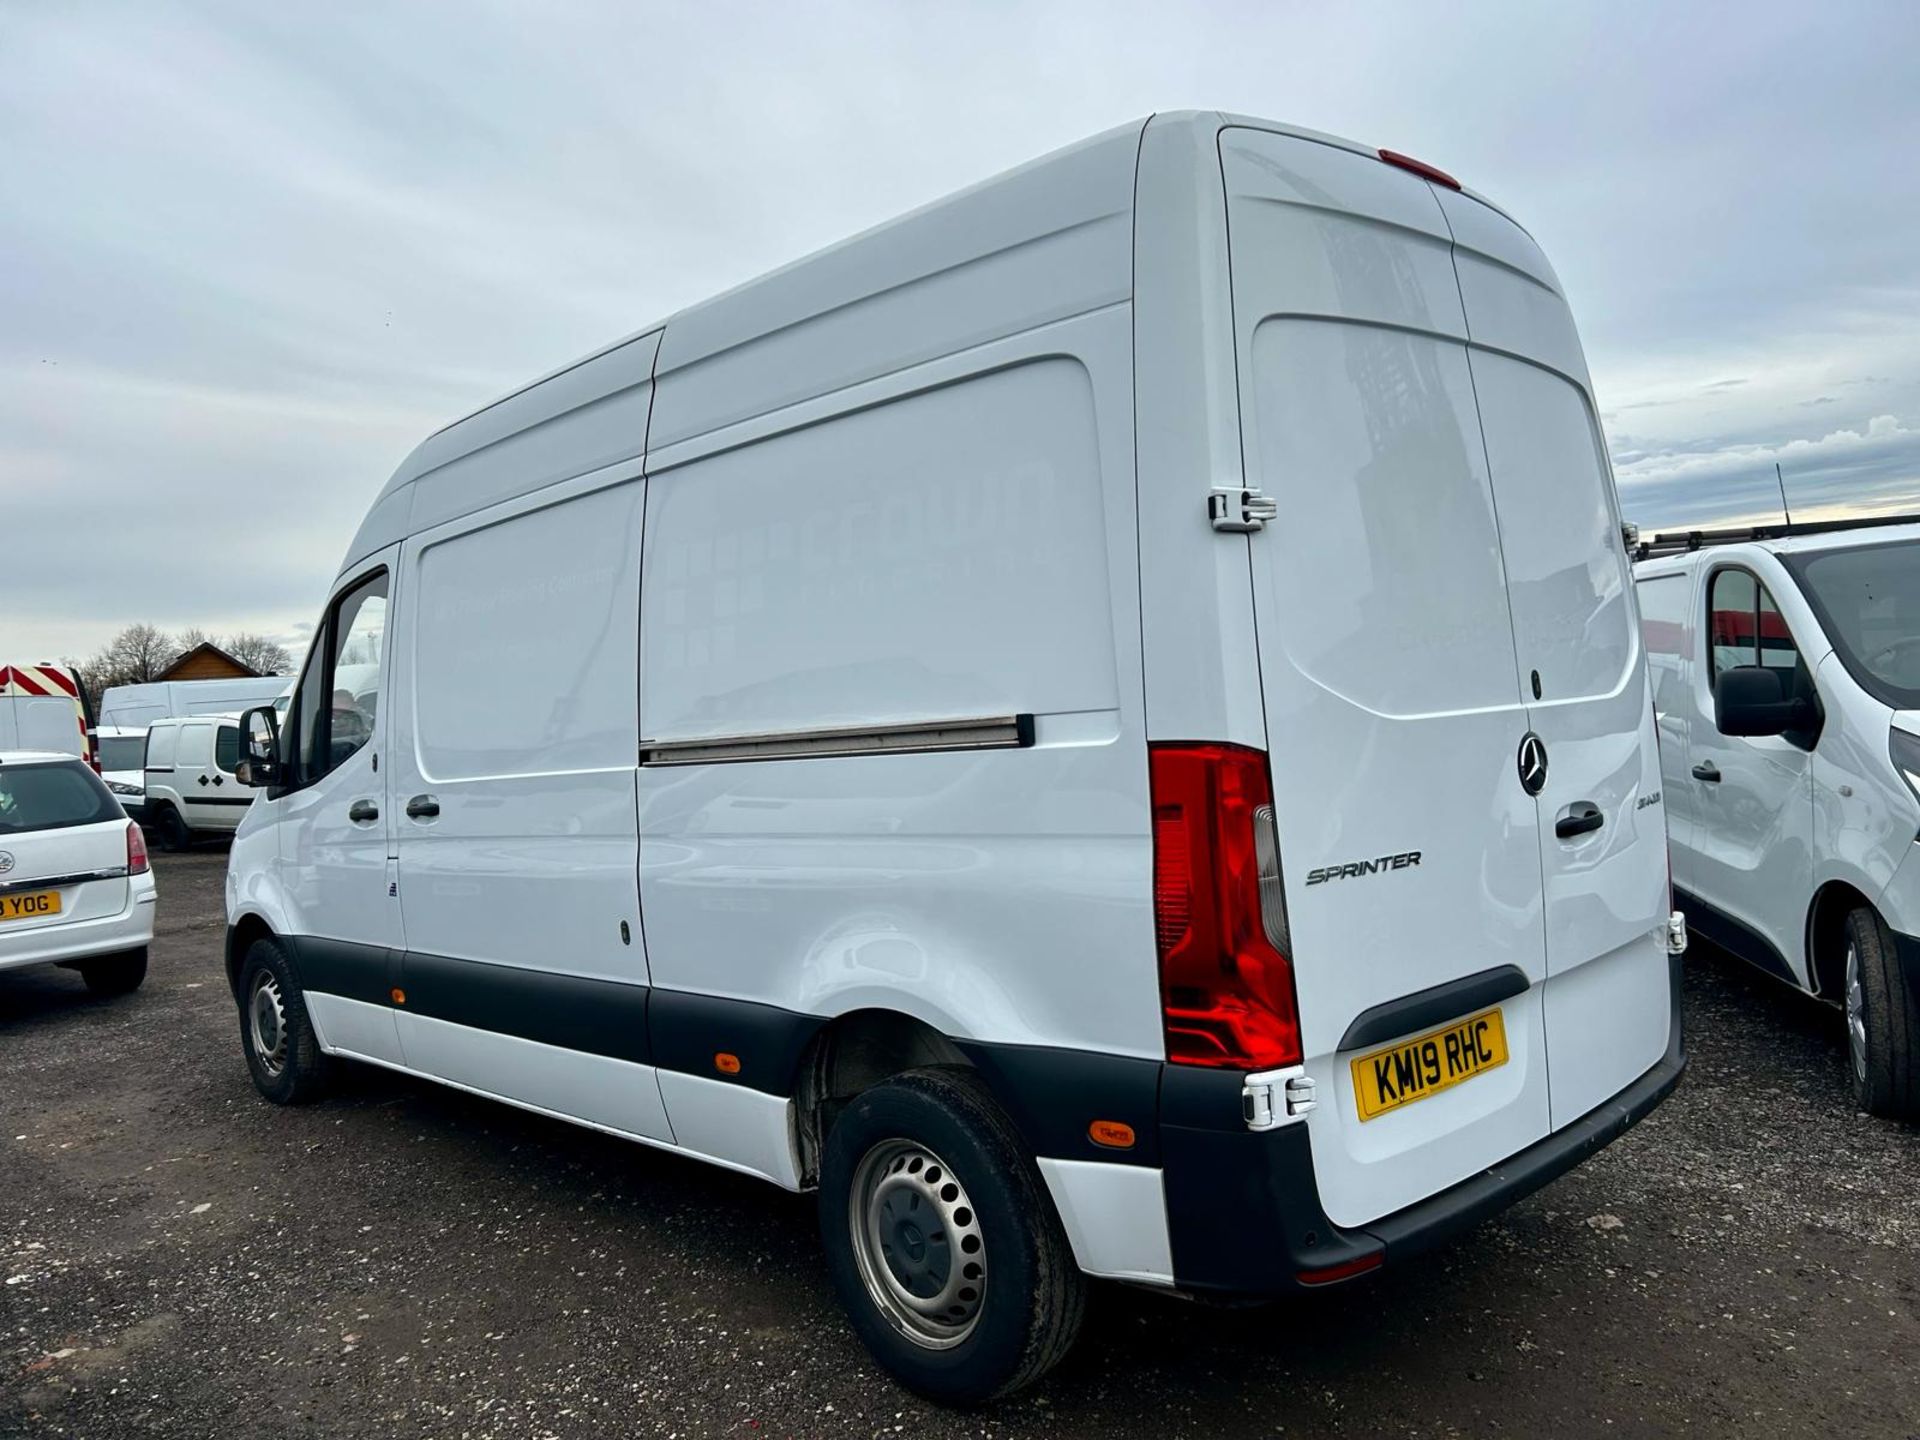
{"x": 250, "y": 254}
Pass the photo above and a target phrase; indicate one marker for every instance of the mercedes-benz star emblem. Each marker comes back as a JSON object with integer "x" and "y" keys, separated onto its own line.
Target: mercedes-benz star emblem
{"x": 1533, "y": 763}
{"x": 6, "y": 861}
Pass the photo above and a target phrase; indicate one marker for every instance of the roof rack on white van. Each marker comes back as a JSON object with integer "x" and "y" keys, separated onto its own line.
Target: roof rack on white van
{"x": 1678, "y": 541}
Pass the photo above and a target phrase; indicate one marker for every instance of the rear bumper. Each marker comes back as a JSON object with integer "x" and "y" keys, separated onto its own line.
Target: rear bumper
{"x": 1243, "y": 1210}
{"x": 131, "y": 928}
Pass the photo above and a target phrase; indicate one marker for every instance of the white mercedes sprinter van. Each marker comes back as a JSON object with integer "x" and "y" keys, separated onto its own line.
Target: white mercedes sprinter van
{"x": 1786, "y": 672}
{"x": 1100, "y": 724}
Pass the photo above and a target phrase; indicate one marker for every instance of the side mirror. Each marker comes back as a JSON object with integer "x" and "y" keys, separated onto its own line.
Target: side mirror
{"x": 259, "y": 748}
{"x": 1751, "y": 700}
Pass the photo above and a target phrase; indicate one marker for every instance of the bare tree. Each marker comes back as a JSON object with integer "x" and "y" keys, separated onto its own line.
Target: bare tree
{"x": 138, "y": 654}
{"x": 257, "y": 652}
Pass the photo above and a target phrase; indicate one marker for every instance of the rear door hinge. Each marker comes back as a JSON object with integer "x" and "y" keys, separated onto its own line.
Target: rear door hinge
{"x": 1274, "y": 1098}
{"x": 1239, "y": 512}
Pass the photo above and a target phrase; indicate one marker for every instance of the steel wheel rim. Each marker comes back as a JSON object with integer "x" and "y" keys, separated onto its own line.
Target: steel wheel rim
{"x": 918, "y": 1244}
{"x": 1856, "y": 1015}
{"x": 267, "y": 1024}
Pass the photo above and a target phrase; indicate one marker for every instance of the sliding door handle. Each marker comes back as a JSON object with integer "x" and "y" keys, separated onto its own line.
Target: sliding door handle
{"x": 422, "y": 807}
{"x": 1708, "y": 771}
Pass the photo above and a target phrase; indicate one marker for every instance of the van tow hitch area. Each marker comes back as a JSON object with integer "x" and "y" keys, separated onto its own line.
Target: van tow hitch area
{"x": 1354, "y": 868}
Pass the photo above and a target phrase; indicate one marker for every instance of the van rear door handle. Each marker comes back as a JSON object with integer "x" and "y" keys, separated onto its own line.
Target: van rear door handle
{"x": 1581, "y": 818}
{"x": 362, "y": 811}
{"x": 1708, "y": 771}
{"x": 422, "y": 807}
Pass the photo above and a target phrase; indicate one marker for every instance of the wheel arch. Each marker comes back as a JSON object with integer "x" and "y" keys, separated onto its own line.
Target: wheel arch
{"x": 852, "y": 1053}
{"x": 241, "y": 935}
{"x": 1827, "y": 936}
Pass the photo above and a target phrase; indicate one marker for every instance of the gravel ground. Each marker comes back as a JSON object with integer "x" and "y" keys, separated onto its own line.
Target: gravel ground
{"x": 182, "y": 1259}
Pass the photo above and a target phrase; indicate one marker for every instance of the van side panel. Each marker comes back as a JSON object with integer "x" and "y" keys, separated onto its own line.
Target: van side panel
{"x": 1041, "y": 243}
{"x": 955, "y": 543}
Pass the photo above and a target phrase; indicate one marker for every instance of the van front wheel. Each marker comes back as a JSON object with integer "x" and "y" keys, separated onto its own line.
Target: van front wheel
{"x": 942, "y": 1239}
{"x": 1883, "y": 1027}
{"x": 283, "y": 1053}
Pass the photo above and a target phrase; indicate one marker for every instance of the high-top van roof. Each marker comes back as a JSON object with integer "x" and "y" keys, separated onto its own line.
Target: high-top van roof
{"x": 723, "y": 355}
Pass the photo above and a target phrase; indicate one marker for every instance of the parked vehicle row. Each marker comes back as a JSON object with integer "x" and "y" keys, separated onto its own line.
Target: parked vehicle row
{"x": 1786, "y": 672}
{"x": 1101, "y": 726}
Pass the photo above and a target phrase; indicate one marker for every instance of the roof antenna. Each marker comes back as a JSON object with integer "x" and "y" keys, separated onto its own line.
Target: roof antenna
{"x": 1781, "y": 481}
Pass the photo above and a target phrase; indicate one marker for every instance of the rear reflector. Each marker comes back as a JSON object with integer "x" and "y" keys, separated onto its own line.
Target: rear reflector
{"x": 1226, "y": 990}
{"x": 1420, "y": 168}
{"x": 1345, "y": 1270}
{"x": 136, "y": 850}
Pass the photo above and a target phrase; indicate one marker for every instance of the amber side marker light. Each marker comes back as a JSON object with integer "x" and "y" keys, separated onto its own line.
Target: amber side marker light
{"x": 399, "y": 996}
{"x": 726, "y": 1063}
{"x": 1345, "y": 1270}
{"x": 1420, "y": 168}
{"x": 1111, "y": 1133}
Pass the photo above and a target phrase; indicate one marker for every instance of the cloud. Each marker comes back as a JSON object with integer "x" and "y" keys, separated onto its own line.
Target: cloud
{"x": 1873, "y": 470}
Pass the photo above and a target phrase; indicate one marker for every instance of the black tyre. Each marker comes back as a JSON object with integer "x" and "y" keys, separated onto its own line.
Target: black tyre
{"x": 1883, "y": 1025}
{"x": 943, "y": 1242}
{"x": 115, "y": 974}
{"x": 283, "y": 1054}
{"x": 171, "y": 830}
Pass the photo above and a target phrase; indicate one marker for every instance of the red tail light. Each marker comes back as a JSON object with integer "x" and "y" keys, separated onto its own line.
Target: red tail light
{"x": 1226, "y": 990}
{"x": 136, "y": 850}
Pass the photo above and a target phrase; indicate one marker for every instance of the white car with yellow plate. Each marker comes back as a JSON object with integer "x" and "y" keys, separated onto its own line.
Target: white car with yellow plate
{"x": 75, "y": 886}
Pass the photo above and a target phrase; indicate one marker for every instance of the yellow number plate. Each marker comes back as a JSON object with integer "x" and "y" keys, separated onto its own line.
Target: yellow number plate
{"x": 1436, "y": 1061}
{"x": 30, "y": 906}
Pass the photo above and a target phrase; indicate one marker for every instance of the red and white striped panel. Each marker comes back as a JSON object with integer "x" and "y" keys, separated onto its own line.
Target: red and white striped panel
{"x": 38, "y": 680}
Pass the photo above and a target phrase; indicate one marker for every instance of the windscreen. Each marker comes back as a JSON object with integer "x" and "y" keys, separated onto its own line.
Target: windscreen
{"x": 53, "y": 797}
{"x": 123, "y": 752}
{"x": 1868, "y": 598}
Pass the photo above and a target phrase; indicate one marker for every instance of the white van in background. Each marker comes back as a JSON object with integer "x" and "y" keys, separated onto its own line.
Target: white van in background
{"x": 44, "y": 707}
{"x": 138, "y": 705}
{"x": 1104, "y": 748}
{"x": 1786, "y": 668}
{"x": 123, "y": 764}
{"x": 191, "y": 791}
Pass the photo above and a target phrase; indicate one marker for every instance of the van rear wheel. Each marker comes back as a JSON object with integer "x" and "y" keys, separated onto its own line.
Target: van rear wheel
{"x": 942, "y": 1240}
{"x": 172, "y": 830}
{"x": 283, "y": 1052}
{"x": 1883, "y": 1025}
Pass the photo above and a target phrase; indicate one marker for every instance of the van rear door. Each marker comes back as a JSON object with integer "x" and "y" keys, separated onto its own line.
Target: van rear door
{"x": 1603, "y": 835}
{"x": 1395, "y": 710}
